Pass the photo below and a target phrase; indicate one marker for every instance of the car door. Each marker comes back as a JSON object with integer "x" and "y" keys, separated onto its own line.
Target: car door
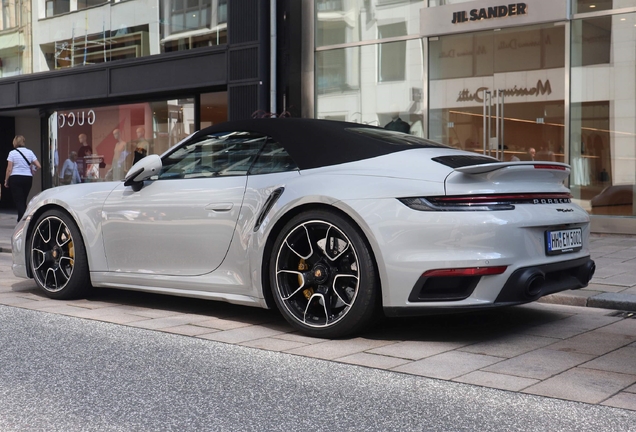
{"x": 183, "y": 220}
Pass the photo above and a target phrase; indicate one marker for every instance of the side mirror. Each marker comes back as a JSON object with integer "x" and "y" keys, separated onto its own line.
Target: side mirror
{"x": 143, "y": 170}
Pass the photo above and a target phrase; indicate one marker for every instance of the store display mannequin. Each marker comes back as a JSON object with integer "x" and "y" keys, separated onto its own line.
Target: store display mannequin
{"x": 142, "y": 146}
{"x": 121, "y": 158}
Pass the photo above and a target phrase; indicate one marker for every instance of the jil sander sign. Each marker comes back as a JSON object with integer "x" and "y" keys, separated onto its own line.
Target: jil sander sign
{"x": 542, "y": 88}
{"x": 461, "y": 17}
{"x": 487, "y": 13}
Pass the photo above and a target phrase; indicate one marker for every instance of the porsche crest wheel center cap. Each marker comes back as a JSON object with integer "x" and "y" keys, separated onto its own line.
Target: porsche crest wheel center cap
{"x": 320, "y": 273}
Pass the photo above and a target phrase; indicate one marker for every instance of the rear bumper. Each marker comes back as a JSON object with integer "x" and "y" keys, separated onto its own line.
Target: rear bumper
{"x": 524, "y": 285}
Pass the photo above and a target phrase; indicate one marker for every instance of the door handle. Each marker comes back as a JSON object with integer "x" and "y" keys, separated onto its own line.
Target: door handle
{"x": 220, "y": 207}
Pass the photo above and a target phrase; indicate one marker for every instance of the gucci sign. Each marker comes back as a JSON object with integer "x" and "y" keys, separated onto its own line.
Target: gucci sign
{"x": 75, "y": 118}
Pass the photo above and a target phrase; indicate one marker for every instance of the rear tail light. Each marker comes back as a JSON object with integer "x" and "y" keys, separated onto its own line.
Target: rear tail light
{"x": 470, "y": 271}
{"x": 552, "y": 167}
{"x": 483, "y": 202}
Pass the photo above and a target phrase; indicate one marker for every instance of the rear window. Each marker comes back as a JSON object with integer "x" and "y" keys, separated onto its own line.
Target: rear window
{"x": 396, "y": 138}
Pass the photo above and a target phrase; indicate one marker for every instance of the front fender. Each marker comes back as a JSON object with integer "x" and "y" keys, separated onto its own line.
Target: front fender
{"x": 83, "y": 203}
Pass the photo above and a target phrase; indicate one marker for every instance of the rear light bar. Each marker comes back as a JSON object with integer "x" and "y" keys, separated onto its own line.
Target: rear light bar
{"x": 471, "y": 271}
{"x": 484, "y": 202}
{"x": 552, "y": 167}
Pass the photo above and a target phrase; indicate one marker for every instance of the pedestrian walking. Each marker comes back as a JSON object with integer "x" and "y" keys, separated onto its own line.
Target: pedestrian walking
{"x": 70, "y": 172}
{"x": 22, "y": 162}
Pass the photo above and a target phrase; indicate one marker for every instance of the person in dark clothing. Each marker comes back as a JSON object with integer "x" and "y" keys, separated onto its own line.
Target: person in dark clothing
{"x": 398, "y": 125}
{"x": 83, "y": 152}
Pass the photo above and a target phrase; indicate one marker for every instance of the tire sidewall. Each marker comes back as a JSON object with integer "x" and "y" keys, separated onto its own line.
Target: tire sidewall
{"x": 79, "y": 282}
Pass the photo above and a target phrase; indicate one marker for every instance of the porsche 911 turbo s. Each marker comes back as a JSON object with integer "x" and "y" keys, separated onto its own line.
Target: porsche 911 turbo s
{"x": 330, "y": 222}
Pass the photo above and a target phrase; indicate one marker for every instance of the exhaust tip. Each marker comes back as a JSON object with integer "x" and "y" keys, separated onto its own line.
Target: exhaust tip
{"x": 585, "y": 273}
{"x": 535, "y": 285}
{"x": 532, "y": 281}
{"x": 592, "y": 270}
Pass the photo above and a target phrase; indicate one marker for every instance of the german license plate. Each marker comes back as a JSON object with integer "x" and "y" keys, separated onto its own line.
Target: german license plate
{"x": 563, "y": 241}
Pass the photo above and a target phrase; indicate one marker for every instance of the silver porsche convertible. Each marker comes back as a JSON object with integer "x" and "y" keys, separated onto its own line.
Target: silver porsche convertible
{"x": 330, "y": 222}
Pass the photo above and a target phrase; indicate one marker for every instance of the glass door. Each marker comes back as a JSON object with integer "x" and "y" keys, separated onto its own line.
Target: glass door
{"x": 500, "y": 92}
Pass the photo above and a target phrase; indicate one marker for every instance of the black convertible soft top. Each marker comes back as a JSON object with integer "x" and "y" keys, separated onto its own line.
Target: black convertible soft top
{"x": 316, "y": 143}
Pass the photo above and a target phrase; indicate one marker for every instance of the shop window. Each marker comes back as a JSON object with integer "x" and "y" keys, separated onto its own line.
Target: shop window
{"x": 583, "y": 6}
{"x": 83, "y": 4}
{"x": 190, "y": 24}
{"x": 213, "y": 108}
{"x": 189, "y": 15}
{"x": 392, "y": 56}
{"x": 106, "y": 141}
{"x": 337, "y": 70}
{"x": 105, "y": 46}
{"x": 57, "y": 7}
{"x": 595, "y": 35}
{"x": 222, "y": 11}
{"x": 602, "y": 128}
{"x": 329, "y": 5}
{"x": 507, "y": 50}
{"x": 349, "y": 87}
{"x": 350, "y": 21}
{"x": 10, "y": 14}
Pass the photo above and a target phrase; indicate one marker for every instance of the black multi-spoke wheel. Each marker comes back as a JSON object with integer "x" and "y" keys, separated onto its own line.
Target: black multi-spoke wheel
{"x": 322, "y": 275}
{"x": 57, "y": 256}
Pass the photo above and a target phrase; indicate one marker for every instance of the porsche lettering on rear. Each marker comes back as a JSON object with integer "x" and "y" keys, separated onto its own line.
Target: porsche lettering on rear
{"x": 553, "y": 201}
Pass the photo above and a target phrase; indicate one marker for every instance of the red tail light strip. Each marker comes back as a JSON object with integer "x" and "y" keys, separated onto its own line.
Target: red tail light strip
{"x": 471, "y": 271}
{"x": 553, "y": 167}
{"x": 477, "y": 199}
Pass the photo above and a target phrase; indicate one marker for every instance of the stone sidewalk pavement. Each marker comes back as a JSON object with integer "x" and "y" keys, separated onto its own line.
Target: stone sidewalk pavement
{"x": 580, "y": 354}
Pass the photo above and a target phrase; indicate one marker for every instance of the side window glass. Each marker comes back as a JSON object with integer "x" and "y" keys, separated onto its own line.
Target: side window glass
{"x": 216, "y": 155}
{"x": 272, "y": 159}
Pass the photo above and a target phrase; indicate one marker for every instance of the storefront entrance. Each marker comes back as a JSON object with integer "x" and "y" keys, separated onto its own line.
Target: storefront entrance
{"x": 7, "y": 132}
{"x": 500, "y": 92}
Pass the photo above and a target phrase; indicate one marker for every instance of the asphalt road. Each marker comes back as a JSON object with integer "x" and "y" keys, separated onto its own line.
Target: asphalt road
{"x": 66, "y": 374}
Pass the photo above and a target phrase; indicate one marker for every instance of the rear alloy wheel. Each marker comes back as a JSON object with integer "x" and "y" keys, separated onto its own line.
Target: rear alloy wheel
{"x": 322, "y": 275}
{"x": 58, "y": 257}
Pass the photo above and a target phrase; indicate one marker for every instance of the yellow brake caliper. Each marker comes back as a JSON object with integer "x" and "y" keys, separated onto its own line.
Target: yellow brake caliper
{"x": 302, "y": 266}
{"x": 71, "y": 251}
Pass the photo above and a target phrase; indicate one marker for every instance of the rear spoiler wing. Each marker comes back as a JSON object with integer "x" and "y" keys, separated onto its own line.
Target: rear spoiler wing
{"x": 489, "y": 167}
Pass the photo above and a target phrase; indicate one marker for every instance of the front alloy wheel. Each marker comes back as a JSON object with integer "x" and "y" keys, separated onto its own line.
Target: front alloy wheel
{"x": 323, "y": 276}
{"x": 57, "y": 256}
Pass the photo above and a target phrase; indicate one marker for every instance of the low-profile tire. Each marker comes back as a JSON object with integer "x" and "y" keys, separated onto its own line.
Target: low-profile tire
{"x": 57, "y": 257}
{"x": 323, "y": 277}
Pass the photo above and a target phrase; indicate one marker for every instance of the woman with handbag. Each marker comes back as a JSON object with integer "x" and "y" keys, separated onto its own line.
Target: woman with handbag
{"x": 22, "y": 162}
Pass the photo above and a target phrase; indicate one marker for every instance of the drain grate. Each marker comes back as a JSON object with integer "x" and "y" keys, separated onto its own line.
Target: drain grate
{"x": 623, "y": 314}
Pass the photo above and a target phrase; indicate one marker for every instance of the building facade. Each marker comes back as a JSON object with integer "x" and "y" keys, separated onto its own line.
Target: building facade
{"x": 100, "y": 78}
{"x": 546, "y": 80}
